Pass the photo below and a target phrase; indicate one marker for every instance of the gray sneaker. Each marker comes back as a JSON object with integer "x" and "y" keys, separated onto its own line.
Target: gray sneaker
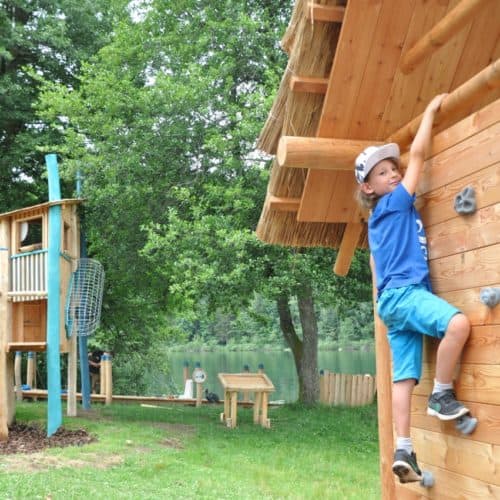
{"x": 445, "y": 406}
{"x": 405, "y": 467}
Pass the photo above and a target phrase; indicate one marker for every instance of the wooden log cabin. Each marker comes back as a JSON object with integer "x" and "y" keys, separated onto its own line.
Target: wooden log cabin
{"x": 361, "y": 72}
{"x": 38, "y": 248}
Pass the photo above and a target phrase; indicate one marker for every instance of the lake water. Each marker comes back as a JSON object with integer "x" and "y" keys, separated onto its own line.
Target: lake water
{"x": 278, "y": 365}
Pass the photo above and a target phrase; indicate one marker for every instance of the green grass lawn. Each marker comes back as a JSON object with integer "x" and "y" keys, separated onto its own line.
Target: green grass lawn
{"x": 185, "y": 452}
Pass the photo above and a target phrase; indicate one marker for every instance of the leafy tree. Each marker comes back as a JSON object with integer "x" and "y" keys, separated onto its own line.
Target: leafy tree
{"x": 163, "y": 127}
{"x": 151, "y": 130}
{"x": 40, "y": 39}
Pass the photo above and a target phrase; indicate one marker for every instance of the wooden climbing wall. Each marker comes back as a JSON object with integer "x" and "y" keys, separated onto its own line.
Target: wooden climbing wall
{"x": 464, "y": 255}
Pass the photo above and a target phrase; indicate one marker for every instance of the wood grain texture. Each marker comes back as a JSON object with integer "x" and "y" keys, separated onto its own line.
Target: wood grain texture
{"x": 475, "y": 268}
{"x": 488, "y": 415}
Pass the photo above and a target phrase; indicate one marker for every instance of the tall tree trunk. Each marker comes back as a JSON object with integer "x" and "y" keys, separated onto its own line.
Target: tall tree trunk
{"x": 305, "y": 351}
{"x": 309, "y": 388}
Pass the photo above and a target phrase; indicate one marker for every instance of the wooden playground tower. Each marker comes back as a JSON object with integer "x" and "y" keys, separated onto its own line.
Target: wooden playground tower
{"x": 38, "y": 248}
{"x": 361, "y": 72}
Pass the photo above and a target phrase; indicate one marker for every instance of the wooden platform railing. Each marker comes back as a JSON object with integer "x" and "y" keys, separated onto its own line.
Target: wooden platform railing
{"x": 29, "y": 276}
{"x": 343, "y": 389}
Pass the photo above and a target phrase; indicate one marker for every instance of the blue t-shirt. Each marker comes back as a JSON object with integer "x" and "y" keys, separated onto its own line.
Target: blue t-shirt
{"x": 397, "y": 242}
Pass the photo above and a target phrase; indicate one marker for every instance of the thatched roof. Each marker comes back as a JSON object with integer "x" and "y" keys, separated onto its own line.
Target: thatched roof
{"x": 363, "y": 76}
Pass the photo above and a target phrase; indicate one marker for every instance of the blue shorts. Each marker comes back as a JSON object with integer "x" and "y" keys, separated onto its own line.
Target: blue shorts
{"x": 408, "y": 312}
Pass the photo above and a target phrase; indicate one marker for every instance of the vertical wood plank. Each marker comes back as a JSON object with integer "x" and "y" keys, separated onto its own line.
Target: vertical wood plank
{"x": 264, "y": 420}
{"x": 384, "y": 406}
{"x": 444, "y": 63}
{"x": 73, "y": 249}
{"x": 323, "y": 381}
{"x": 227, "y": 405}
{"x": 5, "y": 331}
{"x": 234, "y": 409}
{"x": 355, "y": 390}
{"x": 18, "y": 376}
{"x": 480, "y": 44}
{"x": 382, "y": 63}
{"x": 353, "y": 53}
{"x": 336, "y": 399}
{"x": 331, "y": 388}
{"x": 31, "y": 370}
{"x": 348, "y": 390}
{"x": 109, "y": 379}
{"x": 343, "y": 381}
{"x": 426, "y": 14}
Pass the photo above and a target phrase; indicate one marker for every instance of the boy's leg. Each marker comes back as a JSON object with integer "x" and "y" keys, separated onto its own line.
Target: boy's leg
{"x": 419, "y": 310}
{"x": 405, "y": 461}
{"x": 401, "y": 406}
{"x": 406, "y": 349}
{"x": 442, "y": 402}
{"x": 450, "y": 348}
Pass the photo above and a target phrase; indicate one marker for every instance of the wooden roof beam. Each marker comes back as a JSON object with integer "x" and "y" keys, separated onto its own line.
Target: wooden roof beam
{"x": 350, "y": 240}
{"x": 441, "y": 33}
{"x": 309, "y": 85}
{"x": 319, "y": 153}
{"x": 324, "y": 13}
{"x": 456, "y": 105}
{"x": 282, "y": 204}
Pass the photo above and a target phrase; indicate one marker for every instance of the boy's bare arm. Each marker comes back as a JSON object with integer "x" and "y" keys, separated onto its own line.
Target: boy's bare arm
{"x": 421, "y": 144}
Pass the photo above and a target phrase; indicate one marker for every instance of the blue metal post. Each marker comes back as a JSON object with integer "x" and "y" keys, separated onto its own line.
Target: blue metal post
{"x": 82, "y": 339}
{"x": 54, "y": 417}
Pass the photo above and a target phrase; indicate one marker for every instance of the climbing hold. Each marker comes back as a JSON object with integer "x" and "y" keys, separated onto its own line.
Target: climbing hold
{"x": 490, "y": 296}
{"x": 465, "y": 201}
{"x": 427, "y": 480}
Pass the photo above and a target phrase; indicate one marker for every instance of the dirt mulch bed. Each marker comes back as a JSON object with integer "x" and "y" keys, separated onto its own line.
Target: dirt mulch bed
{"x": 25, "y": 438}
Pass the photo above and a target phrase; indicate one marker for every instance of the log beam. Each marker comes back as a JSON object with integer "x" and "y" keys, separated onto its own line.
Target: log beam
{"x": 441, "y": 33}
{"x": 324, "y": 13}
{"x": 319, "y": 153}
{"x": 347, "y": 247}
{"x": 456, "y": 105}
{"x": 281, "y": 204}
{"x": 309, "y": 85}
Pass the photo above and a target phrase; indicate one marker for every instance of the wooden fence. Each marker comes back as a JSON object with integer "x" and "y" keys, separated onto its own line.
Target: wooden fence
{"x": 343, "y": 389}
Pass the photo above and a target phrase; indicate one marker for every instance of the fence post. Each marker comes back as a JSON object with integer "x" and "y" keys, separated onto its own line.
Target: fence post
{"x": 333, "y": 388}
{"x": 199, "y": 376}
{"x": 322, "y": 382}
{"x": 355, "y": 390}
{"x": 348, "y": 389}
{"x": 18, "y": 376}
{"x": 30, "y": 370}
{"x": 102, "y": 377}
{"x": 107, "y": 383}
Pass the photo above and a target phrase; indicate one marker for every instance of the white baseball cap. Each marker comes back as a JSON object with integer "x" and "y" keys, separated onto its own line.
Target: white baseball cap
{"x": 373, "y": 155}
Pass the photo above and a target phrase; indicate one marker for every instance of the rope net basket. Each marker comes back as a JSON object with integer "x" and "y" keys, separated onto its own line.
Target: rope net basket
{"x": 84, "y": 300}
